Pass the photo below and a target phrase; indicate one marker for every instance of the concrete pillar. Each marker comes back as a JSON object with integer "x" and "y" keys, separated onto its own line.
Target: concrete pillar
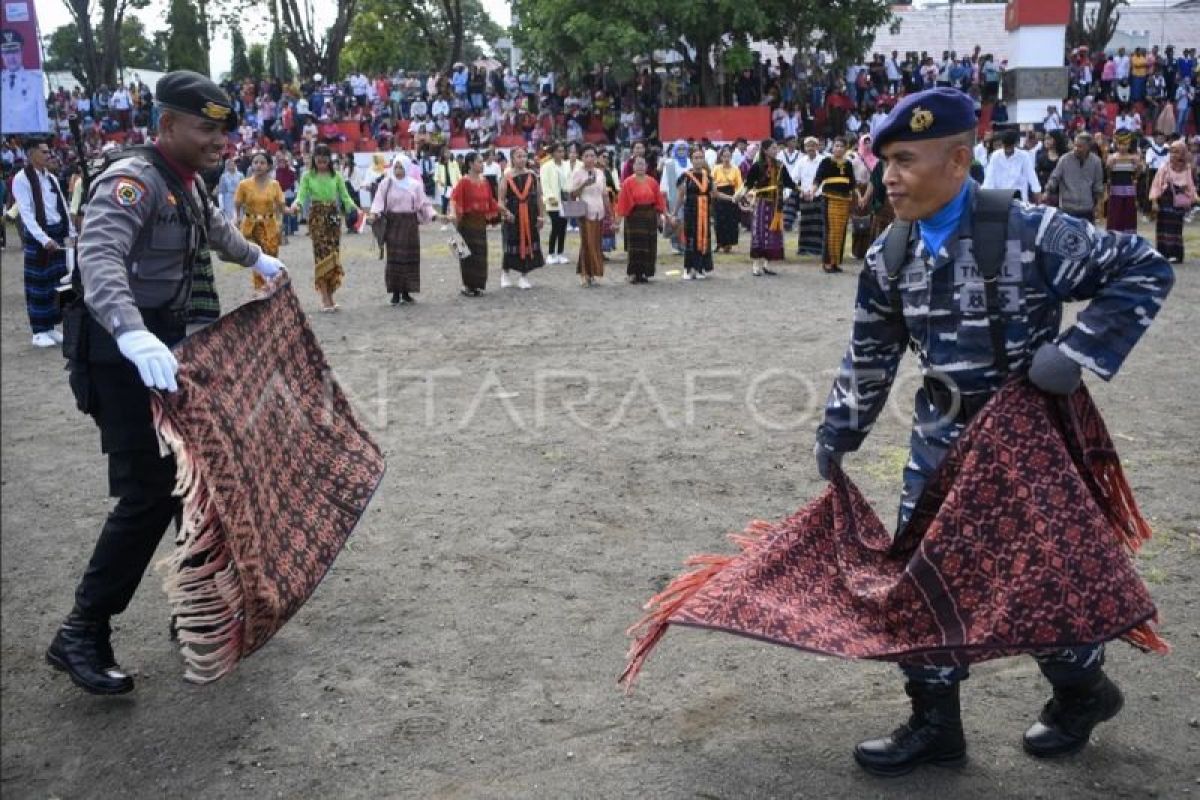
{"x": 1036, "y": 77}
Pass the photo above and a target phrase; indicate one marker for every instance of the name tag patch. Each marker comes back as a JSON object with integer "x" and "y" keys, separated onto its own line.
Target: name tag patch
{"x": 972, "y": 299}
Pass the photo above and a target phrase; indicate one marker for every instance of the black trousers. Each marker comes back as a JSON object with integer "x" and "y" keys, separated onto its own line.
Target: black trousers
{"x": 108, "y": 389}
{"x": 558, "y": 234}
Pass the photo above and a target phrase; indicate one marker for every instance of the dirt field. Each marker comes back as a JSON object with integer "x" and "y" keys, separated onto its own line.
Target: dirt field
{"x": 539, "y": 489}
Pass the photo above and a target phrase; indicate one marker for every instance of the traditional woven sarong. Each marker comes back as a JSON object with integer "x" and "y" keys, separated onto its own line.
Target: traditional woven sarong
{"x": 725, "y": 217}
{"x": 696, "y": 233}
{"x": 837, "y": 214}
{"x": 812, "y": 228}
{"x": 766, "y": 233}
{"x": 641, "y": 228}
{"x": 403, "y": 244}
{"x": 591, "y": 258}
{"x": 1168, "y": 230}
{"x": 43, "y": 271}
{"x": 522, "y": 240}
{"x": 474, "y": 268}
{"x": 881, "y": 219}
{"x": 325, "y": 228}
{"x": 1022, "y": 542}
{"x": 204, "y": 306}
{"x": 264, "y": 231}
{"x": 274, "y": 471}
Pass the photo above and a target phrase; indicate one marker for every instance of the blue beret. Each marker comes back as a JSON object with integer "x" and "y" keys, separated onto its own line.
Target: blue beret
{"x": 930, "y": 114}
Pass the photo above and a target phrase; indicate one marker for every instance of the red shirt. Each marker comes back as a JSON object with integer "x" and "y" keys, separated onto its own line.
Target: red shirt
{"x": 640, "y": 193}
{"x": 474, "y": 197}
{"x": 185, "y": 174}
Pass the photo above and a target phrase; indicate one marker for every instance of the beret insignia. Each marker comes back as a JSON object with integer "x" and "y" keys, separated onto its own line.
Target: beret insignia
{"x": 214, "y": 111}
{"x": 922, "y": 120}
{"x": 128, "y": 192}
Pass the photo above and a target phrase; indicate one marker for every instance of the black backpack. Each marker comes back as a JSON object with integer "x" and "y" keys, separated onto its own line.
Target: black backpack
{"x": 989, "y": 242}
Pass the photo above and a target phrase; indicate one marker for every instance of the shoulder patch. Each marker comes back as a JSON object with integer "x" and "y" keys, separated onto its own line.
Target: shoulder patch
{"x": 1066, "y": 241}
{"x": 128, "y": 192}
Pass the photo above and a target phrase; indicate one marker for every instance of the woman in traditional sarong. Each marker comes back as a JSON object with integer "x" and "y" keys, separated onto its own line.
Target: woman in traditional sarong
{"x": 860, "y": 218}
{"x": 811, "y": 240}
{"x": 693, "y": 213}
{"x": 522, "y": 209}
{"x": 260, "y": 204}
{"x": 674, "y": 164}
{"x": 587, "y": 184}
{"x": 1124, "y": 169}
{"x": 474, "y": 208}
{"x": 835, "y": 182}
{"x": 329, "y": 202}
{"x": 1173, "y": 194}
{"x": 728, "y": 182}
{"x": 403, "y": 205}
{"x": 766, "y": 182}
{"x": 612, "y": 185}
{"x": 643, "y": 206}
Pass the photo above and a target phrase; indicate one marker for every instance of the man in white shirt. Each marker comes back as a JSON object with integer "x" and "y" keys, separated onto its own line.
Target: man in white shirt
{"x": 43, "y": 210}
{"x": 419, "y": 108}
{"x": 22, "y": 93}
{"x": 789, "y": 127}
{"x": 440, "y": 108}
{"x": 1122, "y": 65}
{"x": 808, "y": 204}
{"x": 894, "y": 75}
{"x": 1011, "y": 168}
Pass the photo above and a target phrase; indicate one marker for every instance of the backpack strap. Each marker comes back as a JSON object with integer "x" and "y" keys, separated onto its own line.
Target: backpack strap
{"x": 989, "y": 242}
{"x": 895, "y": 255}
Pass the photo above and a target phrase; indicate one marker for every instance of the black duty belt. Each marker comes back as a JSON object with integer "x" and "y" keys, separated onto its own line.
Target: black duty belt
{"x": 951, "y": 403}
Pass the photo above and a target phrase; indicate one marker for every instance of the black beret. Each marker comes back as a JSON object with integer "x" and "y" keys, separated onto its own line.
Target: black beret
{"x": 10, "y": 40}
{"x": 191, "y": 93}
{"x": 931, "y": 114}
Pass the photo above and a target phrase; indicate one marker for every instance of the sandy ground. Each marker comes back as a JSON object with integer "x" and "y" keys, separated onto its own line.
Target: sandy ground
{"x": 545, "y": 477}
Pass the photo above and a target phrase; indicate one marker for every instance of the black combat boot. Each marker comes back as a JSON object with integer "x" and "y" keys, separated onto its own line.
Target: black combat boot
{"x": 81, "y": 648}
{"x": 932, "y": 735}
{"x": 1067, "y": 720}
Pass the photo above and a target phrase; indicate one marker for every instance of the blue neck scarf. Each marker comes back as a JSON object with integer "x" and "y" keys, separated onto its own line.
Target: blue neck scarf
{"x": 938, "y": 228}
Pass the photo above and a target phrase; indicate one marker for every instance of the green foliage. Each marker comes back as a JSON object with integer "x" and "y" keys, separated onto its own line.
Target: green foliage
{"x": 386, "y": 35}
{"x": 279, "y": 63}
{"x": 138, "y": 50}
{"x": 572, "y": 36}
{"x": 257, "y": 60}
{"x": 185, "y": 45}
{"x": 239, "y": 64}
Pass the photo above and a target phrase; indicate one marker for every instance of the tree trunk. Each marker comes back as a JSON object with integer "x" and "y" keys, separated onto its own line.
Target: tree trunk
{"x": 454, "y": 18}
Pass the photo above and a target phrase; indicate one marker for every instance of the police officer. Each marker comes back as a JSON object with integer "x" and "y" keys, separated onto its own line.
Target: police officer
{"x": 935, "y": 298}
{"x": 22, "y": 93}
{"x": 146, "y": 221}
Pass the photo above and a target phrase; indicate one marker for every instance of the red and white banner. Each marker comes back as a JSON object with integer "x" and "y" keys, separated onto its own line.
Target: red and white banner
{"x": 22, "y": 85}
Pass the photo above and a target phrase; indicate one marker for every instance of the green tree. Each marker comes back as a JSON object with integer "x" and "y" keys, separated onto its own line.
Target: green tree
{"x": 137, "y": 50}
{"x": 239, "y": 64}
{"x": 386, "y": 35}
{"x": 1095, "y": 27}
{"x": 572, "y": 36}
{"x": 96, "y": 24}
{"x": 185, "y": 45}
{"x": 280, "y": 64}
{"x": 257, "y": 60}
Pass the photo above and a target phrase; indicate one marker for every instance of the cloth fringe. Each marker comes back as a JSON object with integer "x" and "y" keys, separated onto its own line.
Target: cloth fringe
{"x": 653, "y": 626}
{"x": 200, "y": 576}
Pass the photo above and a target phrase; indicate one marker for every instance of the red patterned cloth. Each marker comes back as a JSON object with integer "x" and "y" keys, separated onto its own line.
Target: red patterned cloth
{"x": 1022, "y": 542}
{"x": 274, "y": 470}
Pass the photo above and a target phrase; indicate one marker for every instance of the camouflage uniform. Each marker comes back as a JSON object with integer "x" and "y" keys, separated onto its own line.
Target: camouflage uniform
{"x": 1051, "y": 258}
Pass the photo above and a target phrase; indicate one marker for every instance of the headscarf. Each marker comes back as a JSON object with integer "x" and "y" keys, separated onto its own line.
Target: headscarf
{"x": 864, "y": 152}
{"x": 410, "y": 169}
{"x": 680, "y": 151}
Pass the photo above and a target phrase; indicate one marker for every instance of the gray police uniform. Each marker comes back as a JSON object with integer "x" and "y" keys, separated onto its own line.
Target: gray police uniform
{"x": 136, "y": 253}
{"x": 1050, "y": 258}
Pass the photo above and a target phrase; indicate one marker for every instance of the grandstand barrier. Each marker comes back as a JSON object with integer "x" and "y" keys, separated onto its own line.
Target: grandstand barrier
{"x": 717, "y": 123}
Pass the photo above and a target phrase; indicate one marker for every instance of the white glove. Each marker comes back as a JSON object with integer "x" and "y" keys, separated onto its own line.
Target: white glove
{"x": 154, "y": 360}
{"x": 268, "y": 266}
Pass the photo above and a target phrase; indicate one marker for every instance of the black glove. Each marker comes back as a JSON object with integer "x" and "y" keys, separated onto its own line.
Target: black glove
{"x": 1052, "y": 371}
{"x": 825, "y": 457}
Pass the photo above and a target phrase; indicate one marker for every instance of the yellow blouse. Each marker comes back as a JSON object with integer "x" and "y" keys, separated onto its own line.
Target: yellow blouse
{"x": 727, "y": 176}
{"x": 258, "y": 201}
